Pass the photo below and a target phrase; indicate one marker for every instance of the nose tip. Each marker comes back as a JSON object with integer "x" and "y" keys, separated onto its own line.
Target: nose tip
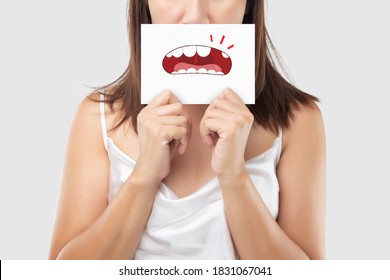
{"x": 195, "y": 13}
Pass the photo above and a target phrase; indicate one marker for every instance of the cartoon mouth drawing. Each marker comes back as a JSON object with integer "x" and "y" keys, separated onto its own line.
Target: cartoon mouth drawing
{"x": 197, "y": 59}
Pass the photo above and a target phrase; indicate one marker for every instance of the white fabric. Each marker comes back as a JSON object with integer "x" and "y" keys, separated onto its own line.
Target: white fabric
{"x": 193, "y": 227}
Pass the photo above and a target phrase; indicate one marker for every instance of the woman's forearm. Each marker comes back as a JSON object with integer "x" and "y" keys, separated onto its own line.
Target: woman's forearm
{"x": 255, "y": 233}
{"x": 117, "y": 232}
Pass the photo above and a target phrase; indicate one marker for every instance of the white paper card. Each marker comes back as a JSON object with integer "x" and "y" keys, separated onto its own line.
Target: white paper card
{"x": 197, "y": 61}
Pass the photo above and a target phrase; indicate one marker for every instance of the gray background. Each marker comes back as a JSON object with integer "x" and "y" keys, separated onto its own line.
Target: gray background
{"x": 50, "y": 51}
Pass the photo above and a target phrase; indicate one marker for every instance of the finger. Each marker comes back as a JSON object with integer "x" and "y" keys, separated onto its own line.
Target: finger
{"x": 209, "y": 125}
{"x": 165, "y": 97}
{"x": 212, "y": 129}
{"x": 174, "y": 109}
{"x": 226, "y": 105}
{"x": 160, "y": 99}
{"x": 230, "y": 95}
{"x": 173, "y": 148}
{"x": 208, "y": 139}
{"x": 221, "y": 114}
{"x": 230, "y": 122}
{"x": 174, "y": 121}
{"x": 181, "y": 134}
{"x": 172, "y": 132}
{"x": 205, "y": 133}
{"x": 186, "y": 140}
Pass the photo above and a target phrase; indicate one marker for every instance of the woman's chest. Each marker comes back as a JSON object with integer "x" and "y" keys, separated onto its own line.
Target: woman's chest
{"x": 192, "y": 170}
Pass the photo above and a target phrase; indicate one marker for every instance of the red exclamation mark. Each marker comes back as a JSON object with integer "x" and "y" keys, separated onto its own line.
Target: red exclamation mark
{"x": 223, "y": 38}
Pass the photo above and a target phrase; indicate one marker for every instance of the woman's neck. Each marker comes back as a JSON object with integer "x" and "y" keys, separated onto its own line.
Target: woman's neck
{"x": 195, "y": 112}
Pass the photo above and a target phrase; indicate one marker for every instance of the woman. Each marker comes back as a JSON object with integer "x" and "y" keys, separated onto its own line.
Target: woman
{"x": 173, "y": 181}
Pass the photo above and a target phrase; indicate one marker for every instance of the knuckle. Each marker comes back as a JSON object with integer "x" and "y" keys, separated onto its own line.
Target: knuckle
{"x": 220, "y": 103}
{"x": 167, "y": 94}
{"x": 179, "y": 107}
{"x": 249, "y": 116}
{"x": 217, "y": 101}
{"x": 206, "y": 113}
{"x": 145, "y": 121}
{"x": 140, "y": 117}
{"x": 242, "y": 121}
{"x": 228, "y": 90}
{"x": 183, "y": 131}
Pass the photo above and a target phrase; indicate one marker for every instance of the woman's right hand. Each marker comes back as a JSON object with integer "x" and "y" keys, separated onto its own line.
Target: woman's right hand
{"x": 163, "y": 128}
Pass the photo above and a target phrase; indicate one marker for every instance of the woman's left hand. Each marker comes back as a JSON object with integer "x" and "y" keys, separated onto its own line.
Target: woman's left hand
{"x": 225, "y": 127}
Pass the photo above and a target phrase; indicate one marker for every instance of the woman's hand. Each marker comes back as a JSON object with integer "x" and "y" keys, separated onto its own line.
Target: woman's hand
{"x": 225, "y": 128}
{"x": 163, "y": 128}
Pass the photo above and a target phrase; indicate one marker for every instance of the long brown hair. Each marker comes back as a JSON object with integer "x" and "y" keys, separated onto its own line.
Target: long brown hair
{"x": 275, "y": 96}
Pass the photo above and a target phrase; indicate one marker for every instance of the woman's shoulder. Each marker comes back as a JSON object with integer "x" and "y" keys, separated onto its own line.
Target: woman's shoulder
{"x": 92, "y": 107}
{"x": 306, "y": 124}
{"x": 91, "y": 102}
{"x": 86, "y": 122}
{"x": 89, "y": 105}
{"x": 105, "y": 120}
{"x": 308, "y": 114}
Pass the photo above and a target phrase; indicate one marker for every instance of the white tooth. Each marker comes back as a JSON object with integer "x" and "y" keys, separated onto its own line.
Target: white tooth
{"x": 189, "y": 51}
{"x": 174, "y": 72}
{"x": 203, "y": 51}
{"x": 169, "y": 55}
{"x": 182, "y": 71}
{"x": 191, "y": 70}
{"x": 225, "y": 55}
{"x": 211, "y": 72}
{"x": 219, "y": 73}
{"x": 178, "y": 52}
{"x": 202, "y": 70}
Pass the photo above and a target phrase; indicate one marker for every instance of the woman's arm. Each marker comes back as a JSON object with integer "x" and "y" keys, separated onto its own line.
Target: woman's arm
{"x": 299, "y": 230}
{"x": 302, "y": 179}
{"x": 88, "y": 228}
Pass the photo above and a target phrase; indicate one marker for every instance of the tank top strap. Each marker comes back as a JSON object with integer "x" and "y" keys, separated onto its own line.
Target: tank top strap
{"x": 103, "y": 119}
{"x": 280, "y": 136}
{"x": 280, "y": 132}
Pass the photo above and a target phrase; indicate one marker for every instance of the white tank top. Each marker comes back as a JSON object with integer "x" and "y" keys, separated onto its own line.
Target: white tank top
{"x": 195, "y": 226}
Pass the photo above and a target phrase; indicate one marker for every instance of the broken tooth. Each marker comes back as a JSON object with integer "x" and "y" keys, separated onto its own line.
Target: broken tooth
{"x": 178, "y": 52}
{"x": 203, "y": 51}
{"x": 211, "y": 72}
{"x": 174, "y": 73}
{"x": 202, "y": 71}
{"x": 220, "y": 73}
{"x": 191, "y": 70}
{"x": 169, "y": 55}
{"x": 182, "y": 71}
{"x": 225, "y": 55}
{"x": 189, "y": 51}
